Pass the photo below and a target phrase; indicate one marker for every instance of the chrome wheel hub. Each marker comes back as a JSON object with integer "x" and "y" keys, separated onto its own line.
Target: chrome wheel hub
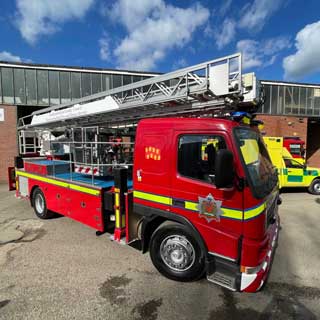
{"x": 177, "y": 253}
{"x": 317, "y": 187}
{"x": 39, "y": 203}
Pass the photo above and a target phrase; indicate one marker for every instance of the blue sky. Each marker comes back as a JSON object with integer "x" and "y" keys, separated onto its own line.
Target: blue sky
{"x": 280, "y": 39}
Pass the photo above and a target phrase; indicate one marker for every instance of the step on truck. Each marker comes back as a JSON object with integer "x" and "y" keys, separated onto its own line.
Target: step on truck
{"x": 173, "y": 165}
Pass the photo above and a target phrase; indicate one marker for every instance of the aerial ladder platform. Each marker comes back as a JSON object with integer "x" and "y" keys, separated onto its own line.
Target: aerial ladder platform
{"x": 204, "y": 88}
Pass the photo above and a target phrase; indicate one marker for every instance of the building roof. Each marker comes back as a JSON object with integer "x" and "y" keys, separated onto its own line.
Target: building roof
{"x": 287, "y": 83}
{"x": 73, "y": 68}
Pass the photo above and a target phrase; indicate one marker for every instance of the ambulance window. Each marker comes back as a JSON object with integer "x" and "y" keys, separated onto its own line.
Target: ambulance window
{"x": 197, "y": 155}
{"x": 290, "y": 163}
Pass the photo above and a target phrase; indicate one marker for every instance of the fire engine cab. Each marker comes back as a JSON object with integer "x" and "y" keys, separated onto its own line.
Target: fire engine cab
{"x": 173, "y": 165}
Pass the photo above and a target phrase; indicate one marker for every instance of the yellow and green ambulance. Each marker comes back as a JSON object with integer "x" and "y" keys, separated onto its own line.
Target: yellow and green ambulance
{"x": 292, "y": 173}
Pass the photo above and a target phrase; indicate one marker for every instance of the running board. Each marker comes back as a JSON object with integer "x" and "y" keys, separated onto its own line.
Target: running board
{"x": 223, "y": 280}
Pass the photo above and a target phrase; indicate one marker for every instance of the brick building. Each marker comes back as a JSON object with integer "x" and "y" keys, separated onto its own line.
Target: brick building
{"x": 293, "y": 109}
{"x": 25, "y": 88}
{"x": 290, "y": 109}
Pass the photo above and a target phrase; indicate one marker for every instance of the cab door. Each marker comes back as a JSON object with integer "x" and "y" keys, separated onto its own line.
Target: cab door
{"x": 216, "y": 213}
{"x": 293, "y": 173}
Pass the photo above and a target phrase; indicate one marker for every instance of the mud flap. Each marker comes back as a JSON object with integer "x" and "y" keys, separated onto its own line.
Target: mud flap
{"x": 11, "y": 178}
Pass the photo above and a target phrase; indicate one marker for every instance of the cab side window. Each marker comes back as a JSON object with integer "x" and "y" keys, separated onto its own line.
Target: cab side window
{"x": 290, "y": 163}
{"x": 197, "y": 155}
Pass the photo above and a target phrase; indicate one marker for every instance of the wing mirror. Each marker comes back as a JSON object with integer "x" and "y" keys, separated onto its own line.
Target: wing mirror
{"x": 224, "y": 169}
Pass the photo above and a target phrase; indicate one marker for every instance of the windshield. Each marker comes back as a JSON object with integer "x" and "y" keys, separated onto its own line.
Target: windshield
{"x": 296, "y": 149}
{"x": 262, "y": 176}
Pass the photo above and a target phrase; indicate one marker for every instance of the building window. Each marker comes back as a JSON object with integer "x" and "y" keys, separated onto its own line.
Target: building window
{"x": 19, "y": 86}
{"x": 295, "y": 100}
{"x": 197, "y": 155}
{"x": 106, "y": 82}
{"x": 117, "y": 81}
{"x": 303, "y": 100}
{"x": 280, "y": 100}
{"x": 31, "y": 87}
{"x": 274, "y": 99}
{"x": 96, "y": 82}
{"x": 267, "y": 91}
{"x": 76, "y": 85}
{"x": 65, "y": 91}
{"x": 316, "y": 105}
{"x": 54, "y": 87}
{"x": 136, "y": 78}
{"x": 7, "y": 85}
{"x": 127, "y": 80}
{"x": 309, "y": 101}
{"x": 86, "y": 84}
{"x": 288, "y": 100}
{"x": 42, "y": 80}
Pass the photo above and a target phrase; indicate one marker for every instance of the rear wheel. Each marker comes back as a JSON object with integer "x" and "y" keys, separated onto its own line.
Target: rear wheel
{"x": 39, "y": 205}
{"x": 315, "y": 187}
{"x": 175, "y": 252}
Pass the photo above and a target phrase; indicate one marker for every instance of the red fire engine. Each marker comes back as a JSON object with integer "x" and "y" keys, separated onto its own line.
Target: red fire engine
{"x": 198, "y": 191}
{"x": 295, "y": 146}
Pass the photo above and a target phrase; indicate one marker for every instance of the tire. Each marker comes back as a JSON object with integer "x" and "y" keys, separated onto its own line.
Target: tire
{"x": 315, "y": 187}
{"x": 175, "y": 253}
{"x": 39, "y": 205}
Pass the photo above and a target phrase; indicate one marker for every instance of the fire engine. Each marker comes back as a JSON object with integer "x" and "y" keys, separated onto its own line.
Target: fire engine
{"x": 296, "y": 147}
{"x": 173, "y": 165}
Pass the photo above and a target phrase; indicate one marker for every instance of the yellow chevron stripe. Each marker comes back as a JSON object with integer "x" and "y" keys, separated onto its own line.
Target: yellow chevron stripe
{"x": 193, "y": 206}
{"x": 59, "y": 183}
{"x": 232, "y": 213}
{"x": 251, "y": 213}
{"x": 152, "y": 197}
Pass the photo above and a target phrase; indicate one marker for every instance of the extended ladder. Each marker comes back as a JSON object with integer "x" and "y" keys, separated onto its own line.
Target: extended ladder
{"x": 207, "y": 86}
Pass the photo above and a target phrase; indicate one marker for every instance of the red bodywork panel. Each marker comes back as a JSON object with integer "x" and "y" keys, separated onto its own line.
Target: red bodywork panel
{"x": 80, "y": 206}
{"x": 159, "y": 176}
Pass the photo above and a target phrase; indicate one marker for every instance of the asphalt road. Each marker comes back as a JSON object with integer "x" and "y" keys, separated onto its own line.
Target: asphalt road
{"x": 59, "y": 269}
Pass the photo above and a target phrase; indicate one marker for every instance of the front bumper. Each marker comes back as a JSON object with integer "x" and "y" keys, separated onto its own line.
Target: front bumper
{"x": 254, "y": 282}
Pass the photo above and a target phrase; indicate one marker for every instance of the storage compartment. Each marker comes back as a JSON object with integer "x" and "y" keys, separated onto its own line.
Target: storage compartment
{"x": 46, "y": 167}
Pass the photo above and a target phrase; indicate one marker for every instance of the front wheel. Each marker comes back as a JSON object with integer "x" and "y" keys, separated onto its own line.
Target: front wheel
{"x": 315, "y": 187}
{"x": 39, "y": 205}
{"x": 175, "y": 252}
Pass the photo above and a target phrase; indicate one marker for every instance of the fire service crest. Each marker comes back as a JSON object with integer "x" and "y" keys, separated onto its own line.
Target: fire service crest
{"x": 209, "y": 208}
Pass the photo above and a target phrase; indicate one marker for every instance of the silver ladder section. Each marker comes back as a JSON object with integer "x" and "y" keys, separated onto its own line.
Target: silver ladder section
{"x": 209, "y": 85}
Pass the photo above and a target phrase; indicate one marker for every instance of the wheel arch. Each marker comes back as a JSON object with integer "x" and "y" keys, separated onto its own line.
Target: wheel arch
{"x": 311, "y": 184}
{"x": 33, "y": 189}
{"x": 153, "y": 218}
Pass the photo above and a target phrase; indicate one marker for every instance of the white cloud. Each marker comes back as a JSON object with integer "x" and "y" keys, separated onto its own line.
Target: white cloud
{"x": 274, "y": 45}
{"x": 153, "y": 28}
{"x": 7, "y": 56}
{"x": 255, "y": 15}
{"x": 104, "y": 49}
{"x": 225, "y": 7}
{"x": 226, "y": 34}
{"x": 249, "y": 49}
{"x": 306, "y": 60}
{"x": 261, "y": 54}
{"x": 35, "y": 18}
